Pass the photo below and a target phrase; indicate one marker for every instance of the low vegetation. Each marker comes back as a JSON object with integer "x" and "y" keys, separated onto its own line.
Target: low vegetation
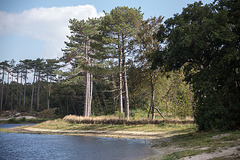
{"x": 22, "y": 120}
{"x": 161, "y": 127}
{"x": 117, "y": 120}
{"x": 202, "y": 145}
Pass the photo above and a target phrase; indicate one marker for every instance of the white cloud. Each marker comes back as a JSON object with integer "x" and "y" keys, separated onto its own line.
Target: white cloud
{"x": 47, "y": 24}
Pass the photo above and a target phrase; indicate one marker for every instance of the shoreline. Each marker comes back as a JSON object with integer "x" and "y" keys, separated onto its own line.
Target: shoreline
{"x": 151, "y": 137}
{"x": 91, "y": 133}
{"x": 167, "y": 141}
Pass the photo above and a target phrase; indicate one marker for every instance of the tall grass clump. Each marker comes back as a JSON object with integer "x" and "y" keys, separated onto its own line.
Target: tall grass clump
{"x": 116, "y": 120}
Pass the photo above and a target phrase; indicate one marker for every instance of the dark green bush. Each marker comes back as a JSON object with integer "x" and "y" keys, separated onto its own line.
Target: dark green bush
{"x": 212, "y": 114}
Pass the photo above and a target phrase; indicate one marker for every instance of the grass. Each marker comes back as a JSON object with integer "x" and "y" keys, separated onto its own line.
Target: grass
{"x": 170, "y": 129}
{"x": 181, "y": 154}
{"x": 201, "y": 142}
{"x": 116, "y": 120}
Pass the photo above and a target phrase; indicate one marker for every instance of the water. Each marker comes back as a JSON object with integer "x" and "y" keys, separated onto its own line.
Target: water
{"x": 15, "y": 146}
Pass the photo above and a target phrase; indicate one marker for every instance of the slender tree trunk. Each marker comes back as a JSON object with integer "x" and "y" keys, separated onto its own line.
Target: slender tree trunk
{"x": 6, "y": 101}
{"x": 1, "y": 107}
{"x": 49, "y": 92}
{"x": 12, "y": 86}
{"x": 33, "y": 90}
{"x": 20, "y": 96}
{"x": 24, "y": 94}
{"x": 87, "y": 106}
{"x": 90, "y": 96}
{"x": 17, "y": 88}
{"x": 114, "y": 94}
{"x": 125, "y": 80}
{"x": 38, "y": 91}
{"x": 152, "y": 97}
{"x": 87, "y": 93}
{"x": 167, "y": 107}
{"x": 120, "y": 78}
{"x": 126, "y": 95}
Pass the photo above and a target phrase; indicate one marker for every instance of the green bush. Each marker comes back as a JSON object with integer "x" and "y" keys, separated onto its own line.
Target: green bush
{"x": 212, "y": 114}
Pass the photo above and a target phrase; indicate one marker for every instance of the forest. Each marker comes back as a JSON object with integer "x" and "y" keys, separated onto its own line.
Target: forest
{"x": 122, "y": 64}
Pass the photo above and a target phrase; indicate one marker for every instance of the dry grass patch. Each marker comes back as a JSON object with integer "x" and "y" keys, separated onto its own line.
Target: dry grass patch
{"x": 113, "y": 120}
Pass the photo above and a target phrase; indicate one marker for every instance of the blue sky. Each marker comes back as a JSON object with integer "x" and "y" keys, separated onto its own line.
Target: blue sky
{"x": 31, "y": 29}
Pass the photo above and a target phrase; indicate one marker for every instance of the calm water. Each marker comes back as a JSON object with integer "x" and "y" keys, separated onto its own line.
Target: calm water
{"x": 14, "y": 146}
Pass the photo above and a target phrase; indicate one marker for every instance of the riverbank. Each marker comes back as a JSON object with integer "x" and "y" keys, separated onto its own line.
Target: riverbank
{"x": 144, "y": 131}
{"x": 199, "y": 146}
{"x": 170, "y": 141}
{"x": 15, "y": 117}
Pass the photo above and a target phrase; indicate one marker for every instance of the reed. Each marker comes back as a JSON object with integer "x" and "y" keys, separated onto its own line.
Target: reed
{"x": 116, "y": 120}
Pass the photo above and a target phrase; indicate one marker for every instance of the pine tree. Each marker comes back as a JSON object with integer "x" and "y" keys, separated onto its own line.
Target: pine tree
{"x": 119, "y": 28}
{"x": 78, "y": 52}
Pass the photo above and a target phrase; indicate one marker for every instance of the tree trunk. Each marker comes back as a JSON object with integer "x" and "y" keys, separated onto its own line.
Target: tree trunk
{"x": 49, "y": 92}
{"x": 126, "y": 95}
{"x": 90, "y": 96}
{"x": 6, "y": 101}
{"x": 25, "y": 88}
{"x": 33, "y": 90}
{"x": 38, "y": 91}
{"x": 120, "y": 78}
{"x": 20, "y": 96}
{"x": 12, "y": 93}
{"x": 152, "y": 97}
{"x": 159, "y": 112}
{"x": 17, "y": 89}
{"x": 114, "y": 94}
{"x": 87, "y": 105}
{"x": 125, "y": 79}
{"x": 2, "y": 88}
{"x": 87, "y": 94}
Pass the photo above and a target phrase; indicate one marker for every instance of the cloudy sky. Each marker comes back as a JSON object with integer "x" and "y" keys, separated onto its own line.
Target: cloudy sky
{"x": 31, "y": 29}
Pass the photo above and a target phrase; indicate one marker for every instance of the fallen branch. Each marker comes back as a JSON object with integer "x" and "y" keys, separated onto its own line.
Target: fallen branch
{"x": 159, "y": 112}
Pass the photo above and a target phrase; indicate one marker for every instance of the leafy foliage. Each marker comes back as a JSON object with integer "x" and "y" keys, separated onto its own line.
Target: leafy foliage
{"x": 204, "y": 40}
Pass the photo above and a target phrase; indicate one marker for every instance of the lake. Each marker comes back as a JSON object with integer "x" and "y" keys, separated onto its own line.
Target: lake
{"x": 16, "y": 146}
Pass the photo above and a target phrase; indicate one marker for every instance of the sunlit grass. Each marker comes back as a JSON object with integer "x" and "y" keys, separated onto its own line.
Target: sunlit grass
{"x": 170, "y": 129}
{"x": 201, "y": 142}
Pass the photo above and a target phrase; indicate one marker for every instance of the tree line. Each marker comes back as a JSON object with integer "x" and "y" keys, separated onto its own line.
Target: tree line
{"x": 121, "y": 63}
{"x": 17, "y": 92}
{"x": 108, "y": 72}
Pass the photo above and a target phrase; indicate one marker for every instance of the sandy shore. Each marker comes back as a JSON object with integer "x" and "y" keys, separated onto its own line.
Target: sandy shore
{"x": 95, "y": 133}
